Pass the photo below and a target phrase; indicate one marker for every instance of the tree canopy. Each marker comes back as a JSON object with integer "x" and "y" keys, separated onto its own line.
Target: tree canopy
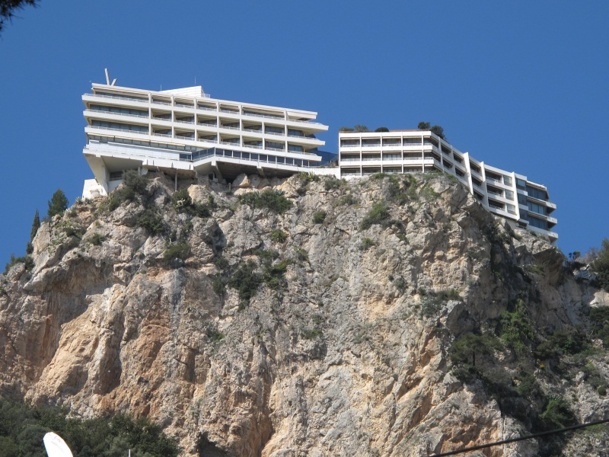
{"x": 8, "y": 8}
{"x": 58, "y": 203}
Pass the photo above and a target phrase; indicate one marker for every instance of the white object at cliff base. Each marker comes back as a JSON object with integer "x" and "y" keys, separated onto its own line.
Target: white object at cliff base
{"x": 56, "y": 446}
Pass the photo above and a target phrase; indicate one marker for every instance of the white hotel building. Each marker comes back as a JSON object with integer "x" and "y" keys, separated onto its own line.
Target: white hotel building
{"x": 185, "y": 132}
{"x": 524, "y": 203}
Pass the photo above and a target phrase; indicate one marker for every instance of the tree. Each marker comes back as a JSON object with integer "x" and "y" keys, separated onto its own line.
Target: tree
{"x": 601, "y": 265}
{"x": 382, "y": 129}
{"x": 438, "y": 130}
{"x": 35, "y": 225}
{"x": 360, "y": 128}
{"x": 8, "y": 8}
{"x": 58, "y": 203}
{"x": 423, "y": 125}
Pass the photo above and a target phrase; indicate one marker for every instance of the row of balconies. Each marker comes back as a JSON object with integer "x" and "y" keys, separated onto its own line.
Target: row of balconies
{"x": 192, "y": 107}
{"x": 168, "y": 119}
{"x": 159, "y": 126}
{"x": 233, "y": 140}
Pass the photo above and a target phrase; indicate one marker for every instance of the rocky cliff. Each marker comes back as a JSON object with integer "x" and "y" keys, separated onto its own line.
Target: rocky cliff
{"x": 391, "y": 316}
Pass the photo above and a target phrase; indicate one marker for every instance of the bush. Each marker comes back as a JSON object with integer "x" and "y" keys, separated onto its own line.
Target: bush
{"x": 246, "y": 281}
{"x": 135, "y": 182}
{"x": 367, "y": 243}
{"x": 181, "y": 199}
{"x": 311, "y": 333}
{"x": 347, "y": 200}
{"x": 432, "y": 301}
{"x": 599, "y": 319}
{"x": 183, "y": 204}
{"x": 378, "y": 215}
{"x": 24, "y": 427}
{"x": 27, "y": 260}
{"x": 557, "y": 414}
{"x": 176, "y": 251}
{"x": 97, "y": 239}
{"x": 319, "y": 217}
{"x": 270, "y": 199}
{"x": 515, "y": 328}
{"x": 152, "y": 221}
{"x": 601, "y": 266}
{"x": 333, "y": 183}
{"x": 278, "y": 236}
{"x": 467, "y": 350}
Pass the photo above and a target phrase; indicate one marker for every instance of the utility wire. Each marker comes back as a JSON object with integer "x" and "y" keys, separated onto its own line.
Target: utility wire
{"x": 521, "y": 438}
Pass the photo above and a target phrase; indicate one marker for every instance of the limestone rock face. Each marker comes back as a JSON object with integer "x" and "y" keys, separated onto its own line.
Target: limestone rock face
{"x": 322, "y": 330}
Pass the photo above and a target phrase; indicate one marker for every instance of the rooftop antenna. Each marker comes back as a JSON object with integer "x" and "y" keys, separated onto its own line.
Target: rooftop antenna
{"x": 108, "y": 78}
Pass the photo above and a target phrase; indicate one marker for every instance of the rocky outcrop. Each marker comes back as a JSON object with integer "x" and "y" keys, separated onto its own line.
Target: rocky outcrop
{"x": 321, "y": 326}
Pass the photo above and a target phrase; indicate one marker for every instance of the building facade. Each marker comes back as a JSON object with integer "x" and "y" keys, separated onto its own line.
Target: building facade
{"x": 524, "y": 203}
{"x": 185, "y": 132}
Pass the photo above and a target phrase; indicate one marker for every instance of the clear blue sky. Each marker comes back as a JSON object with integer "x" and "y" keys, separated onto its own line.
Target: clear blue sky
{"x": 523, "y": 86}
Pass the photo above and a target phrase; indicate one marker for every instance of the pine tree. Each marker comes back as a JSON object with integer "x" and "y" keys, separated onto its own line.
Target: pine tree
{"x": 35, "y": 225}
{"x": 58, "y": 203}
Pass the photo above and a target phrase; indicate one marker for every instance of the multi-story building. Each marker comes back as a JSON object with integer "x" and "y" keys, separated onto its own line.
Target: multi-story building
{"x": 184, "y": 131}
{"x": 510, "y": 195}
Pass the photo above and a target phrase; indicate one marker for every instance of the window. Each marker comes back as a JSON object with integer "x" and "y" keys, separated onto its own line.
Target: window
{"x": 536, "y": 208}
{"x": 507, "y": 180}
{"x": 537, "y": 193}
{"x": 537, "y": 223}
{"x": 295, "y": 148}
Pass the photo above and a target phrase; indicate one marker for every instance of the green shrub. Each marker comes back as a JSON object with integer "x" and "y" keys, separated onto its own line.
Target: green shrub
{"x": 152, "y": 221}
{"x": 135, "y": 182}
{"x": 183, "y": 204}
{"x": 367, "y": 243}
{"x": 467, "y": 353}
{"x": 181, "y": 200}
{"x": 433, "y": 301}
{"x": 25, "y": 427}
{"x": 311, "y": 333}
{"x": 600, "y": 266}
{"x": 27, "y": 260}
{"x": 246, "y": 281}
{"x": 273, "y": 274}
{"x": 515, "y": 328}
{"x": 272, "y": 200}
{"x": 557, "y": 414}
{"x": 306, "y": 178}
{"x": 378, "y": 215}
{"x": 176, "y": 251}
{"x": 332, "y": 183}
{"x": 97, "y": 239}
{"x": 278, "y": 236}
{"x": 219, "y": 285}
{"x": 347, "y": 200}
{"x": 214, "y": 335}
{"x": 599, "y": 320}
{"x": 301, "y": 254}
{"x": 319, "y": 217}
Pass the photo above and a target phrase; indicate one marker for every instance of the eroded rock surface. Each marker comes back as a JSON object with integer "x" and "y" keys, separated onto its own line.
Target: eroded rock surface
{"x": 342, "y": 349}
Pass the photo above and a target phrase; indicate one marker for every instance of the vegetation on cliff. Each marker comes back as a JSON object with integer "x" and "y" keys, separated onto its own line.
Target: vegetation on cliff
{"x": 388, "y": 316}
{"x": 22, "y": 429}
